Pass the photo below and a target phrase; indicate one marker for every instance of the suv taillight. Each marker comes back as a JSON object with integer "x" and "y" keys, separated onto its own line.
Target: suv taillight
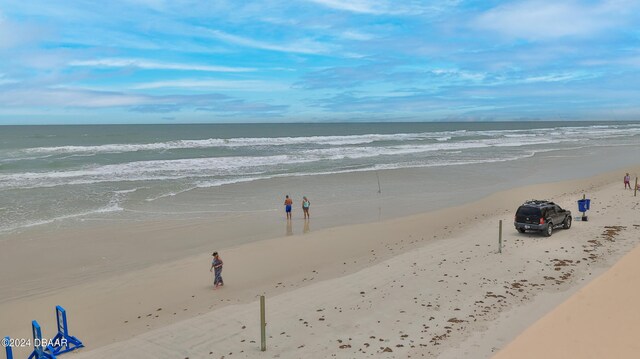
{"x": 541, "y": 220}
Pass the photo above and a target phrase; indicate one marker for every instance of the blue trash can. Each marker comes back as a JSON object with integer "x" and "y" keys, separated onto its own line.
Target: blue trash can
{"x": 584, "y": 205}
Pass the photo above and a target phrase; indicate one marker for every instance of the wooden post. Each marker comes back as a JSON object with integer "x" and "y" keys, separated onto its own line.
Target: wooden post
{"x": 263, "y": 326}
{"x": 635, "y": 189}
{"x": 500, "y": 237}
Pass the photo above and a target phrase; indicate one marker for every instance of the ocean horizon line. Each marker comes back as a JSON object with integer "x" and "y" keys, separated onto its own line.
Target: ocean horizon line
{"x": 315, "y": 122}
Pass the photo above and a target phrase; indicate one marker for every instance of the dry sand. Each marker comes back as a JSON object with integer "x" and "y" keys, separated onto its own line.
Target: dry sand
{"x": 600, "y": 321}
{"x": 426, "y": 285}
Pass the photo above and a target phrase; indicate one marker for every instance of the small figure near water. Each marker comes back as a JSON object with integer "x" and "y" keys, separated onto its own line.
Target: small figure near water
{"x": 216, "y": 265}
{"x": 627, "y": 181}
{"x": 305, "y": 207}
{"x": 288, "y": 202}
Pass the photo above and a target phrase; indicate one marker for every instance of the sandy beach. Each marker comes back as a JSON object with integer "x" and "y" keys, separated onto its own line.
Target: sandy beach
{"x": 431, "y": 284}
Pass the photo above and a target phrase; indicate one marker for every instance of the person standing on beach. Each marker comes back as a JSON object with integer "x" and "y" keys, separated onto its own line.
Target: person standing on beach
{"x": 305, "y": 207}
{"x": 288, "y": 202}
{"x": 216, "y": 265}
{"x": 627, "y": 181}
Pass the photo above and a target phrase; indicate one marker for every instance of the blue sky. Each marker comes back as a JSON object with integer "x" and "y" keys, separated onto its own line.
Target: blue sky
{"x": 156, "y": 61}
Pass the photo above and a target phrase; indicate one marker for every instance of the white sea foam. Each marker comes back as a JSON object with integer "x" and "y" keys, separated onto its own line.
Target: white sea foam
{"x": 335, "y": 140}
{"x": 238, "y": 142}
{"x": 389, "y": 166}
{"x": 124, "y": 191}
{"x": 332, "y": 154}
{"x": 149, "y": 170}
{"x": 221, "y": 167}
{"x": 213, "y": 166}
{"x": 111, "y": 207}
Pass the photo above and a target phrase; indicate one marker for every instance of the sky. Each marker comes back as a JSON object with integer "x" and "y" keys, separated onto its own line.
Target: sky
{"x": 174, "y": 61}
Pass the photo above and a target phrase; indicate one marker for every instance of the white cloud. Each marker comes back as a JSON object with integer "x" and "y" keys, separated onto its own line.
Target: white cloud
{"x": 304, "y": 46}
{"x": 15, "y": 34}
{"x": 158, "y": 5}
{"x": 631, "y": 60}
{"x": 152, "y": 65}
{"x": 356, "y": 35}
{"x": 556, "y": 77}
{"x": 61, "y": 98}
{"x": 358, "y": 6}
{"x": 463, "y": 75}
{"x": 535, "y": 19}
{"x": 66, "y": 98}
{"x": 213, "y": 84}
{"x": 4, "y": 80}
{"x": 385, "y": 7}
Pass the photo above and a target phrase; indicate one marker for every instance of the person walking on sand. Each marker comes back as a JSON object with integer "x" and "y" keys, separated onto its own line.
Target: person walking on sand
{"x": 627, "y": 181}
{"x": 216, "y": 265}
{"x": 288, "y": 202}
{"x": 305, "y": 207}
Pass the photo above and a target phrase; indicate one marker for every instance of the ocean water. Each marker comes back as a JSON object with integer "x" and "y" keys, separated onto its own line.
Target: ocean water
{"x": 53, "y": 173}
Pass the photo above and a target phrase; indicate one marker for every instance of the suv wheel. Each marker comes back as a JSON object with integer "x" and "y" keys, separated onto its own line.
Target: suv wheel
{"x": 521, "y": 230}
{"x": 567, "y": 223}
{"x": 549, "y": 230}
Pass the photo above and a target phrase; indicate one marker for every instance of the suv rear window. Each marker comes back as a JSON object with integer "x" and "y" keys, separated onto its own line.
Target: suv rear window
{"x": 528, "y": 211}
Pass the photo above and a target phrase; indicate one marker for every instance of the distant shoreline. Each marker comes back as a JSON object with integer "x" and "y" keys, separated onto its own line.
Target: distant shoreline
{"x": 322, "y": 122}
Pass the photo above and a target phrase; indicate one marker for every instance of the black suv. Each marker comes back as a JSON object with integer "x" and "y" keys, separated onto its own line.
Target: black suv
{"x": 541, "y": 216}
